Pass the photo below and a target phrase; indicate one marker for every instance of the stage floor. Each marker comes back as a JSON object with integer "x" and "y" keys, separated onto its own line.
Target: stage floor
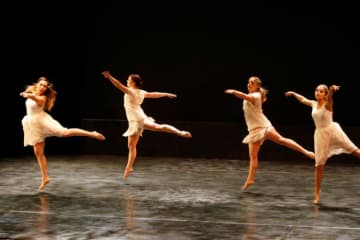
{"x": 176, "y": 198}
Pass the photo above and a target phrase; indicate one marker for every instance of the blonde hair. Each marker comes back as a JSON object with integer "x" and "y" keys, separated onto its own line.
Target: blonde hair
{"x": 324, "y": 87}
{"x": 50, "y": 93}
{"x": 263, "y": 91}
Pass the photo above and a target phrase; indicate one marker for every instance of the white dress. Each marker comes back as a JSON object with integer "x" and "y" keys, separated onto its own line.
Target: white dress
{"x": 257, "y": 123}
{"x": 329, "y": 137}
{"x": 38, "y": 124}
{"x": 134, "y": 113}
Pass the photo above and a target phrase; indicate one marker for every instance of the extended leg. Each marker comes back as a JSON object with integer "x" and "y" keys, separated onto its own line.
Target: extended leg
{"x": 274, "y": 136}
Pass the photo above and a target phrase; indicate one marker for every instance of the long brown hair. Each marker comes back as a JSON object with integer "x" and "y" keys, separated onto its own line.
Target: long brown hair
{"x": 50, "y": 92}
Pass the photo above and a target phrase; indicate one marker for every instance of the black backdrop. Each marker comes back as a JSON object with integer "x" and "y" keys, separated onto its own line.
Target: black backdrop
{"x": 195, "y": 51}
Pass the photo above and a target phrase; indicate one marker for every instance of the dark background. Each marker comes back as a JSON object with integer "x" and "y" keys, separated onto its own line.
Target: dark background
{"x": 193, "y": 50}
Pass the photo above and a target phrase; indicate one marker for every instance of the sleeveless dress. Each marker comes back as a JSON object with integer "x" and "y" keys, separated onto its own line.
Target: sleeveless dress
{"x": 257, "y": 123}
{"x": 329, "y": 137}
{"x": 134, "y": 113}
{"x": 38, "y": 124}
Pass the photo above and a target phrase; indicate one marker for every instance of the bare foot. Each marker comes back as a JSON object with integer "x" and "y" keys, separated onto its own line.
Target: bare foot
{"x": 98, "y": 136}
{"x": 185, "y": 134}
{"x": 317, "y": 198}
{"x": 127, "y": 172}
{"x": 44, "y": 183}
{"x": 247, "y": 184}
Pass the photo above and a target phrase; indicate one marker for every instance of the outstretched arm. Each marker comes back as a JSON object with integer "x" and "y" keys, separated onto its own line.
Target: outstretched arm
{"x": 115, "y": 82}
{"x": 159, "y": 95}
{"x": 241, "y": 95}
{"x": 300, "y": 98}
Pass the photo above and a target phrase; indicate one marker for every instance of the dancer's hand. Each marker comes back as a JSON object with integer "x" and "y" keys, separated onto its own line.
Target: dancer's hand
{"x": 289, "y": 93}
{"x": 229, "y": 91}
{"x": 26, "y": 94}
{"x": 335, "y": 87}
{"x": 171, "y": 95}
{"x": 106, "y": 73}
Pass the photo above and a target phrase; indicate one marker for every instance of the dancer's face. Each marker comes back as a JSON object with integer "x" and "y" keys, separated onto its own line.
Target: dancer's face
{"x": 320, "y": 93}
{"x": 130, "y": 83}
{"x": 252, "y": 85}
{"x": 41, "y": 87}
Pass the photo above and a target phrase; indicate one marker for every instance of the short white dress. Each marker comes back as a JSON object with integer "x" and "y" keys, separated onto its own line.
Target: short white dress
{"x": 329, "y": 137}
{"x": 134, "y": 113}
{"x": 257, "y": 123}
{"x": 38, "y": 124}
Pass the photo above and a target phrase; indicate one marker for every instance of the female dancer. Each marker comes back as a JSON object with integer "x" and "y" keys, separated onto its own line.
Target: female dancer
{"x": 329, "y": 138}
{"x": 137, "y": 119}
{"x": 259, "y": 127}
{"x": 38, "y": 124}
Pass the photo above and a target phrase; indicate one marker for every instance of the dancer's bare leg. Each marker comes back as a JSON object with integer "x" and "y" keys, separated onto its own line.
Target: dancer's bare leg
{"x": 72, "y": 132}
{"x": 274, "y": 136}
{"x": 42, "y": 161}
{"x": 319, "y": 170}
{"x": 254, "y": 162}
{"x": 132, "y": 143}
{"x": 166, "y": 128}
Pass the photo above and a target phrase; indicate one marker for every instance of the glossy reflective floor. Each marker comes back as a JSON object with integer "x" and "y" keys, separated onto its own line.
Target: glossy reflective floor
{"x": 176, "y": 199}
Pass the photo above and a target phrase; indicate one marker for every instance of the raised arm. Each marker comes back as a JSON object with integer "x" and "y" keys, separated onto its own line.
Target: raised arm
{"x": 330, "y": 101}
{"x": 241, "y": 95}
{"x": 115, "y": 82}
{"x": 300, "y": 98}
{"x": 159, "y": 95}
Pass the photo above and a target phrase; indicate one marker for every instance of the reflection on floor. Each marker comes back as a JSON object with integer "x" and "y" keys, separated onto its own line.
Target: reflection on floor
{"x": 176, "y": 198}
